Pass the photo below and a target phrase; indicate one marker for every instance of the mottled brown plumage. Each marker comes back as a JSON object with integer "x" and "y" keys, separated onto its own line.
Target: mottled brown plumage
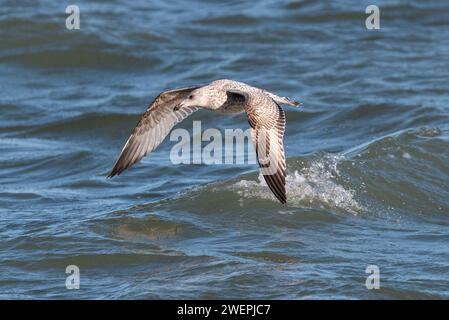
{"x": 153, "y": 127}
{"x": 265, "y": 116}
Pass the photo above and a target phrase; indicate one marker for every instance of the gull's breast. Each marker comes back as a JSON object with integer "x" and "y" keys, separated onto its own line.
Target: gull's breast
{"x": 231, "y": 108}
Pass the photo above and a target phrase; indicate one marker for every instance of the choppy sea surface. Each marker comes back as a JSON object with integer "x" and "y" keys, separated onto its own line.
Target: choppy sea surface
{"x": 367, "y": 154}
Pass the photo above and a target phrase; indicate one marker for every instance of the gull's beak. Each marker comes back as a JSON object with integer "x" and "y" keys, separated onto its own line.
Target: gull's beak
{"x": 178, "y": 106}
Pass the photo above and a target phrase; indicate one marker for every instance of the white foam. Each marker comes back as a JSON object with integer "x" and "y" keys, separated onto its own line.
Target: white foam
{"x": 312, "y": 186}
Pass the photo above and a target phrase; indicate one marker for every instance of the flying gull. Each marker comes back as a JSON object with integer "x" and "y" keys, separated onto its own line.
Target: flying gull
{"x": 265, "y": 116}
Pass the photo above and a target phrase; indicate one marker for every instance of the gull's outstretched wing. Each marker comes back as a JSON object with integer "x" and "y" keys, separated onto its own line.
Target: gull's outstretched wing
{"x": 153, "y": 127}
{"x": 267, "y": 121}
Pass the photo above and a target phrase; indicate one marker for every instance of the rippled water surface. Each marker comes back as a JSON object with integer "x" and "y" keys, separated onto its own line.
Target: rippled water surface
{"x": 367, "y": 154}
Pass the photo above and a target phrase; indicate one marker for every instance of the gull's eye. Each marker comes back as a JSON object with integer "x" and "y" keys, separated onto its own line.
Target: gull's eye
{"x": 191, "y": 97}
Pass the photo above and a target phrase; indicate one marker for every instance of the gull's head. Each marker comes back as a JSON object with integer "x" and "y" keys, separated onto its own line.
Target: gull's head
{"x": 197, "y": 98}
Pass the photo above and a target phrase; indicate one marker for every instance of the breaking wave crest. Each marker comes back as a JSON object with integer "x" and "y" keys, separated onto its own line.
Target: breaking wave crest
{"x": 313, "y": 185}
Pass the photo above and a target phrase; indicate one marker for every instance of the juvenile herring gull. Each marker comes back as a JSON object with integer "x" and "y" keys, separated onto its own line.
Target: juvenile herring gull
{"x": 265, "y": 116}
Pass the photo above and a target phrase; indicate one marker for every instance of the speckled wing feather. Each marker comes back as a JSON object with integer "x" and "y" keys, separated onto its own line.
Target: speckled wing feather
{"x": 153, "y": 127}
{"x": 267, "y": 121}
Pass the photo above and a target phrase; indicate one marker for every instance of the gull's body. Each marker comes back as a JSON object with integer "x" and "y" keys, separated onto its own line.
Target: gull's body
{"x": 265, "y": 116}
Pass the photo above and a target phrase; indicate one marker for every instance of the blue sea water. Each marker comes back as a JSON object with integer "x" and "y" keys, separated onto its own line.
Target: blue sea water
{"x": 367, "y": 154}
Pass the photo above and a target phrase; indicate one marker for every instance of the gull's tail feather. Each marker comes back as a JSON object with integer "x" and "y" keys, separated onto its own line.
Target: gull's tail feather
{"x": 284, "y": 100}
{"x": 292, "y": 102}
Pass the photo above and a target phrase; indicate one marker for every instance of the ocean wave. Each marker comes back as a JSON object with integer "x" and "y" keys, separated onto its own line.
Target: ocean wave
{"x": 310, "y": 186}
{"x": 395, "y": 173}
{"x": 83, "y": 58}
